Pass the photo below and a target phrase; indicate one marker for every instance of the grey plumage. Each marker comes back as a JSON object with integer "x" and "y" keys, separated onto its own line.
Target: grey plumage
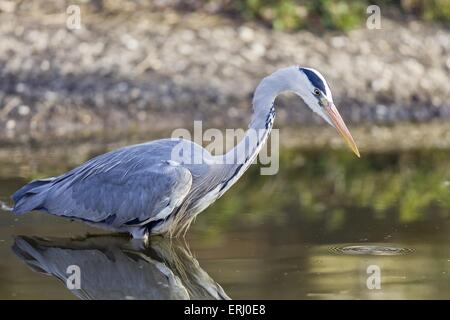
{"x": 147, "y": 189}
{"x": 120, "y": 190}
{"x": 119, "y": 268}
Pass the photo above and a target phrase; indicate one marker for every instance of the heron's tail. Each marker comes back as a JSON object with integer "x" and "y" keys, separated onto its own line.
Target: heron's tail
{"x": 31, "y": 196}
{"x": 5, "y": 207}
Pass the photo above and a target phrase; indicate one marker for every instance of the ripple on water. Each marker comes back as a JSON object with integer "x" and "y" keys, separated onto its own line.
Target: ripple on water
{"x": 371, "y": 250}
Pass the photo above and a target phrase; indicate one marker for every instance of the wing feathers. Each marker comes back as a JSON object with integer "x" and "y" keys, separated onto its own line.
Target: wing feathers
{"x": 130, "y": 184}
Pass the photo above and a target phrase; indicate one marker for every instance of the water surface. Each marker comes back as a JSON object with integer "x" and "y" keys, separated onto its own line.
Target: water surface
{"x": 313, "y": 231}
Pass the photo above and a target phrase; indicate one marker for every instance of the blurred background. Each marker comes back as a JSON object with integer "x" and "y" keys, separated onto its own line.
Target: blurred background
{"x": 133, "y": 65}
{"x": 136, "y": 70}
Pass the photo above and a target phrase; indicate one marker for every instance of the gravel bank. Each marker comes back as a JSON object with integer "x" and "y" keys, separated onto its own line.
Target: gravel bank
{"x": 126, "y": 70}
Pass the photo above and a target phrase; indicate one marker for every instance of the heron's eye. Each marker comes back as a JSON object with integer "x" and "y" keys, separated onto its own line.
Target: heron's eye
{"x": 317, "y": 92}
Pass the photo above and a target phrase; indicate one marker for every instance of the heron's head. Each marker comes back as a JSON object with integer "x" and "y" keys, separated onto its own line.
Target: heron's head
{"x": 316, "y": 93}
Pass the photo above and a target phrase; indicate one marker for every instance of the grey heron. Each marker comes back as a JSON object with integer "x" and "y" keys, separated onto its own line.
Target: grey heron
{"x": 141, "y": 189}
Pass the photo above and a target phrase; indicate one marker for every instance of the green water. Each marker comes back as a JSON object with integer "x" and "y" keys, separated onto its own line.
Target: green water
{"x": 313, "y": 231}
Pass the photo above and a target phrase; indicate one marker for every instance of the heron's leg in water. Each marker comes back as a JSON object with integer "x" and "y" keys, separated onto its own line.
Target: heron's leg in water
{"x": 139, "y": 232}
{"x": 145, "y": 239}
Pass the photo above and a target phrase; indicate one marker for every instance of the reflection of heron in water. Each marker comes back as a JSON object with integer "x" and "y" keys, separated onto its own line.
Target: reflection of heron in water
{"x": 150, "y": 189}
{"x": 119, "y": 268}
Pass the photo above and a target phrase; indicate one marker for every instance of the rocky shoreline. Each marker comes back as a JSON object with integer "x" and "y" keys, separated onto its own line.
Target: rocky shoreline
{"x": 158, "y": 70}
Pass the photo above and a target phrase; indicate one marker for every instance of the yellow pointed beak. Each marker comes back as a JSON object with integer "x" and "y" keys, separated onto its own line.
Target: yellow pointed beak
{"x": 341, "y": 127}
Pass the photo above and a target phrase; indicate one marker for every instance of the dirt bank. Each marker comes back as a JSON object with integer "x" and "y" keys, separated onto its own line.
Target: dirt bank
{"x": 130, "y": 69}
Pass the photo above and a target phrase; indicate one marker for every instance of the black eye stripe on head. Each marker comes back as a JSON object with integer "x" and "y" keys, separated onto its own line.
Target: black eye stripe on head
{"x": 314, "y": 79}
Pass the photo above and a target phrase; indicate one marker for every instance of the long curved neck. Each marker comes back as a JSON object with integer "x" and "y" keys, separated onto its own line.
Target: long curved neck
{"x": 263, "y": 115}
{"x": 229, "y": 167}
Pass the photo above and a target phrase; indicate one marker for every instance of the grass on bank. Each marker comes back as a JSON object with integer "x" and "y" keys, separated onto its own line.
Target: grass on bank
{"x": 288, "y": 15}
